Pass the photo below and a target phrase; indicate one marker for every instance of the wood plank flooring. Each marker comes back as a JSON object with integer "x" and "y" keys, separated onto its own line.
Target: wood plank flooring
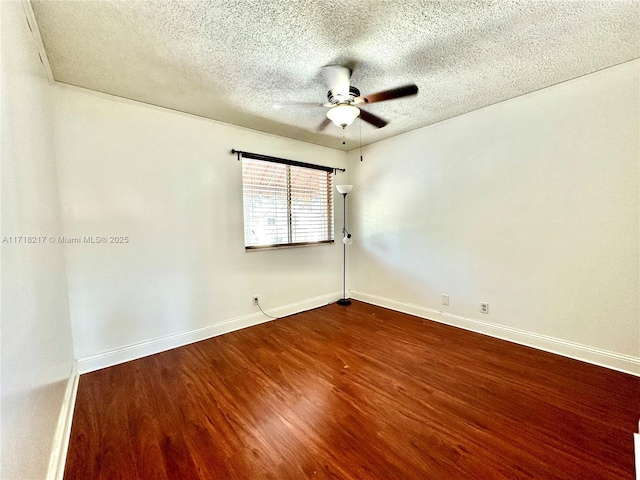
{"x": 355, "y": 392}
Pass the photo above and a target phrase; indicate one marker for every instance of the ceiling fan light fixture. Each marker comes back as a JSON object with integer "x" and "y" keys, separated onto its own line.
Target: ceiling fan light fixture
{"x": 343, "y": 115}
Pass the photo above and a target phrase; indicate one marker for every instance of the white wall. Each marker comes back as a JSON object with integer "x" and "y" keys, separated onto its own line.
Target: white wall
{"x": 37, "y": 353}
{"x": 531, "y": 205}
{"x": 169, "y": 182}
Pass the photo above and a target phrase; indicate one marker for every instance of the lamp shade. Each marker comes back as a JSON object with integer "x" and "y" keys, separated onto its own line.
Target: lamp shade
{"x": 343, "y": 115}
{"x": 344, "y": 188}
{"x": 347, "y": 240}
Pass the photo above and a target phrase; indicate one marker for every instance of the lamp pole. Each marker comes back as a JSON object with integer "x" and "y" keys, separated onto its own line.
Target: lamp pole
{"x": 346, "y": 240}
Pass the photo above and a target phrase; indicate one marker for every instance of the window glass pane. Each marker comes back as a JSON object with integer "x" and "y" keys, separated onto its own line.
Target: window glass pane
{"x": 264, "y": 188}
{"x": 309, "y": 199}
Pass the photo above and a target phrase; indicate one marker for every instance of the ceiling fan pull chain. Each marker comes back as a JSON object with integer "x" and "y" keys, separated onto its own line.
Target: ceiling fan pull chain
{"x": 360, "y": 125}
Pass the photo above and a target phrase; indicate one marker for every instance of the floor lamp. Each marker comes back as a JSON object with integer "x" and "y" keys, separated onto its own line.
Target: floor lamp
{"x": 346, "y": 240}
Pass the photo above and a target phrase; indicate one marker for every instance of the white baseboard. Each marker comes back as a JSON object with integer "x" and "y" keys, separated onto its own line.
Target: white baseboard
{"x": 596, "y": 356}
{"x": 60, "y": 445}
{"x": 636, "y": 446}
{"x": 143, "y": 349}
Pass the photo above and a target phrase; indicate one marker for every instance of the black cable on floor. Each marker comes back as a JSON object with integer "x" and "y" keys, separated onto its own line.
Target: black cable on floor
{"x": 258, "y": 302}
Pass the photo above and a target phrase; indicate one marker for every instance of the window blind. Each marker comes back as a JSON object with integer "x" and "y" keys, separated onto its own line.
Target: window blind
{"x": 286, "y": 205}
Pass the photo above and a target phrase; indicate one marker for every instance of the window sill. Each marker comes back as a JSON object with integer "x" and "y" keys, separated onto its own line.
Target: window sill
{"x": 258, "y": 248}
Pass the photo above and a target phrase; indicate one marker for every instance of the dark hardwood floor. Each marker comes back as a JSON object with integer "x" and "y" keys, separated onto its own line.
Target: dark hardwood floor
{"x": 355, "y": 392}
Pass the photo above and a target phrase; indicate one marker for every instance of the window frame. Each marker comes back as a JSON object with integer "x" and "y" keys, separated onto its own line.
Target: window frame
{"x": 330, "y": 211}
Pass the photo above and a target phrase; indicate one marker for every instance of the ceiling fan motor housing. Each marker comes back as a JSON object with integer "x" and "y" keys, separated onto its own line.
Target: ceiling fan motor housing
{"x": 337, "y": 99}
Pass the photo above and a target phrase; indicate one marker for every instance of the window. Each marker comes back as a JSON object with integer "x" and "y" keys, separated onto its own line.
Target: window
{"x": 286, "y": 205}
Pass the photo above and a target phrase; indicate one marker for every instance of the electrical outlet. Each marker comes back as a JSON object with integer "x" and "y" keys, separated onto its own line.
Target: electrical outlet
{"x": 255, "y": 300}
{"x": 445, "y": 299}
{"x": 484, "y": 307}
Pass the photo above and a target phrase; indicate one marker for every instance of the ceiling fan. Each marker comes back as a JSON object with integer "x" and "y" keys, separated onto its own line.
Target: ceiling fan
{"x": 345, "y": 100}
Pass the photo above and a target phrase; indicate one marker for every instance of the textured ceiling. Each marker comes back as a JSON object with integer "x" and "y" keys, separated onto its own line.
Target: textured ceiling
{"x": 231, "y": 60}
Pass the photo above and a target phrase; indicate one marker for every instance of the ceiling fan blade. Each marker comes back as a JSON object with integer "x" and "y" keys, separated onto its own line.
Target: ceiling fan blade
{"x": 394, "y": 93}
{"x": 374, "y": 120}
{"x": 323, "y": 125}
{"x": 338, "y": 79}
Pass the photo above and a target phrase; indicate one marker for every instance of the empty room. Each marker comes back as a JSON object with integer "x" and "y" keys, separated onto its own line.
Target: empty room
{"x": 274, "y": 240}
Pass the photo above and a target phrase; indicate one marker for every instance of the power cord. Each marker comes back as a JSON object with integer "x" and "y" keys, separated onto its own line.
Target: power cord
{"x": 258, "y": 303}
